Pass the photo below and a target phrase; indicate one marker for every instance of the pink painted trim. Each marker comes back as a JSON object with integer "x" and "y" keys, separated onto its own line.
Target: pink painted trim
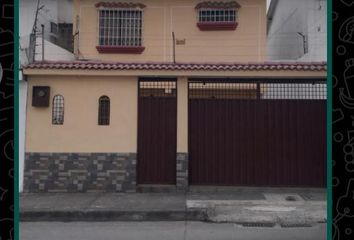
{"x": 120, "y": 49}
{"x": 217, "y": 26}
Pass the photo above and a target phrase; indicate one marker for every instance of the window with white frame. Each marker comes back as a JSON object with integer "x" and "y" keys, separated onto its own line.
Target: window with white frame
{"x": 217, "y": 15}
{"x": 120, "y": 27}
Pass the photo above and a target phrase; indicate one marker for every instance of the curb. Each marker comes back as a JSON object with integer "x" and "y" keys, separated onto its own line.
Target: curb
{"x": 103, "y": 216}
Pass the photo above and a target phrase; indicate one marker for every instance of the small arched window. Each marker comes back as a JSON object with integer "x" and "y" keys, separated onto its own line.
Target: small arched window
{"x": 103, "y": 110}
{"x": 58, "y": 110}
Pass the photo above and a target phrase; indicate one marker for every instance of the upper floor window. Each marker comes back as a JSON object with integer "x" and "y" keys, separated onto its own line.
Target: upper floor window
{"x": 58, "y": 110}
{"x": 120, "y": 28}
{"x": 213, "y": 15}
{"x": 217, "y": 15}
{"x": 103, "y": 110}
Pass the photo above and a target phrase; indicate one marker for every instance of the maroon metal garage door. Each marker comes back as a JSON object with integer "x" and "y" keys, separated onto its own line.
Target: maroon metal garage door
{"x": 257, "y": 133}
{"x": 157, "y": 123}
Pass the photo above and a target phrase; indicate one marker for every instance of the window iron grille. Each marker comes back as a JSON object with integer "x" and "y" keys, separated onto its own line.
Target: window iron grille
{"x": 120, "y": 27}
{"x": 58, "y": 110}
{"x": 262, "y": 90}
{"x": 217, "y": 15}
{"x": 103, "y": 110}
{"x": 157, "y": 88}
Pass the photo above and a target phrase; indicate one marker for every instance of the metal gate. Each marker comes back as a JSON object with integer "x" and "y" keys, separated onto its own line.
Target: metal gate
{"x": 157, "y": 131}
{"x": 257, "y": 132}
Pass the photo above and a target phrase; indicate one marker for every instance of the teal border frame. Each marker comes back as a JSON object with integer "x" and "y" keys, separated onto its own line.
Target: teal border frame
{"x": 329, "y": 119}
{"x": 16, "y": 124}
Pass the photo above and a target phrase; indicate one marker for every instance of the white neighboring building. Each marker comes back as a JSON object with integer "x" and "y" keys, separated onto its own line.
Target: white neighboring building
{"x": 297, "y": 30}
{"x": 54, "y": 15}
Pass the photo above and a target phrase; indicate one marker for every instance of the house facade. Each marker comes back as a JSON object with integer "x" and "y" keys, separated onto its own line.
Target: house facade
{"x": 169, "y": 94}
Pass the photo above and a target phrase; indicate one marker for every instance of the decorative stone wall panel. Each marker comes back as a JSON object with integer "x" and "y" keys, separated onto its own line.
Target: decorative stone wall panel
{"x": 182, "y": 171}
{"x": 80, "y": 172}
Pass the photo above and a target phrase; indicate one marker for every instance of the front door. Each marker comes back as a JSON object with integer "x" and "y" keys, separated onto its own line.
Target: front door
{"x": 157, "y": 131}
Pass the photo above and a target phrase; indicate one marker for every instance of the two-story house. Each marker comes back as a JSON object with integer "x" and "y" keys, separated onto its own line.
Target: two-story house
{"x": 173, "y": 94}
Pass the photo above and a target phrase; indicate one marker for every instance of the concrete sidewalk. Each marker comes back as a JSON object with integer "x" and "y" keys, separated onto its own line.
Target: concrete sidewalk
{"x": 265, "y": 207}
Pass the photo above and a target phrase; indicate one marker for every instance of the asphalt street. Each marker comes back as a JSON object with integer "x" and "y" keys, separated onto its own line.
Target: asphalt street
{"x": 163, "y": 231}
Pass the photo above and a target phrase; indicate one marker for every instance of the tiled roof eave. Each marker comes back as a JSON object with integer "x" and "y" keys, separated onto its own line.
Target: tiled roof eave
{"x": 119, "y": 5}
{"x": 218, "y": 5}
{"x": 266, "y": 66}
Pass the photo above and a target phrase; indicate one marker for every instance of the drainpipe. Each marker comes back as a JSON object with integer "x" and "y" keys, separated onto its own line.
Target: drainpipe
{"x": 42, "y": 42}
{"x": 174, "y": 47}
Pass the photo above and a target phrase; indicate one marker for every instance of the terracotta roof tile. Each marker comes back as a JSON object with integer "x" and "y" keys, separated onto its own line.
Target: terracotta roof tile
{"x": 217, "y": 4}
{"x": 96, "y": 65}
{"x": 119, "y": 5}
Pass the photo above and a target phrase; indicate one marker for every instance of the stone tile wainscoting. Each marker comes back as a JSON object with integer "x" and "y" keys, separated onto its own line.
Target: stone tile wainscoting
{"x": 182, "y": 171}
{"x": 80, "y": 172}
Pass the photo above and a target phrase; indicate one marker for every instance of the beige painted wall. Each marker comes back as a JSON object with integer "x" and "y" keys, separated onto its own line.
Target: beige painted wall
{"x": 80, "y": 132}
{"x": 162, "y": 17}
{"x": 182, "y": 114}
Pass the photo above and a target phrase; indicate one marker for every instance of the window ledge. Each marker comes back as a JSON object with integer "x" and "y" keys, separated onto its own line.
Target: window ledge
{"x": 217, "y": 26}
{"x": 120, "y": 49}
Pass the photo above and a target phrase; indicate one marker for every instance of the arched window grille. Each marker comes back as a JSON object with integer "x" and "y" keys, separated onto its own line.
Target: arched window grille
{"x": 58, "y": 110}
{"x": 103, "y": 110}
